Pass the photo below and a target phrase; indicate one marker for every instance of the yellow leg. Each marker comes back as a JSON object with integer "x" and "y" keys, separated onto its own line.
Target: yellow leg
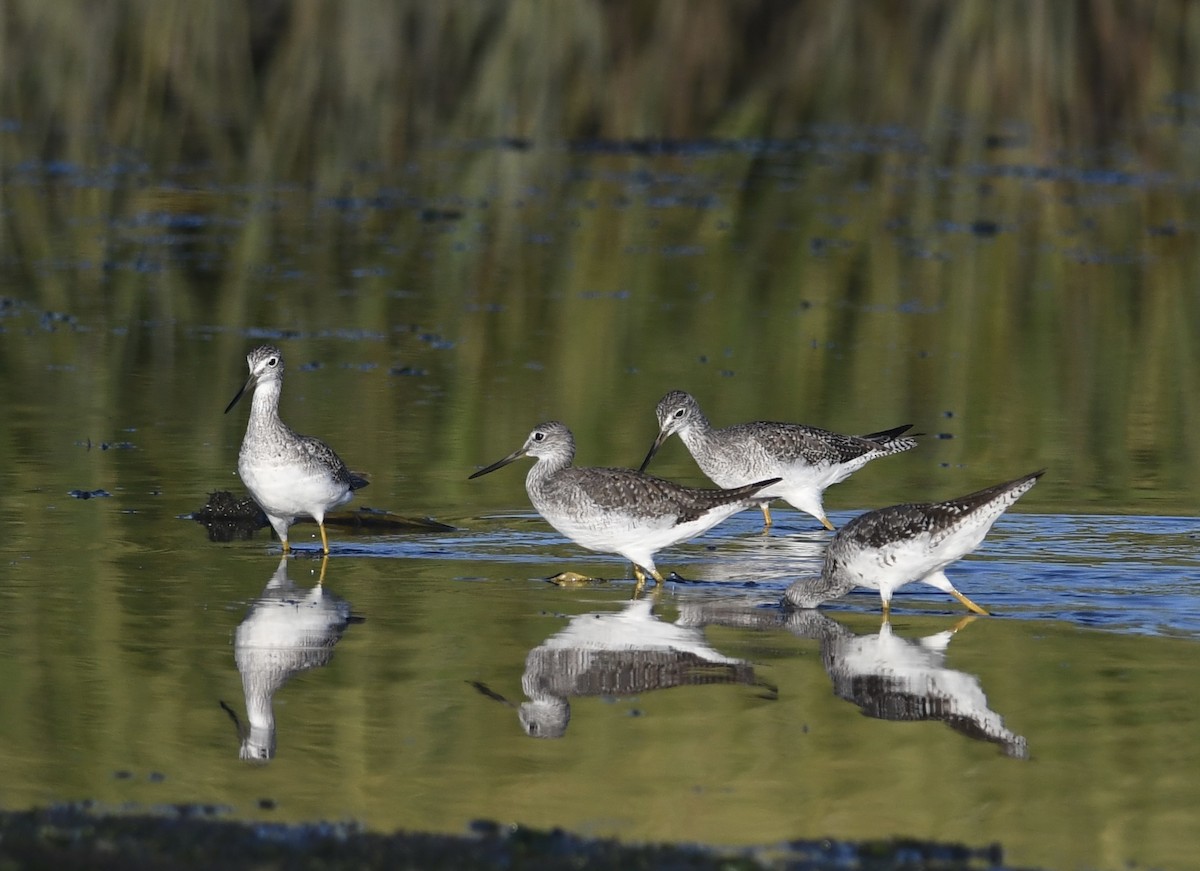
{"x": 640, "y": 576}
{"x": 825, "y": 522}
{"x": 321, "y": 577}
{"x": 766, "y": 510}
{"x": 971, "y": 606}
{"x": 887, "y": 608}
{"x": 324, "y": 540}
{"x": 286, "y": 547}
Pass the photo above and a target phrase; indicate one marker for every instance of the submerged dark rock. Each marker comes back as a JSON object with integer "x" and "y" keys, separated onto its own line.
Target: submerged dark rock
{"x": 228, "y": 518}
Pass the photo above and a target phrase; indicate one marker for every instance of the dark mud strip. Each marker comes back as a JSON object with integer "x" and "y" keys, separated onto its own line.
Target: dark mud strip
{"x": 188, "y": 837}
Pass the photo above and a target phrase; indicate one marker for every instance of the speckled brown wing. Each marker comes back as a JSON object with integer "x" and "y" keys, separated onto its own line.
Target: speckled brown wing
{"x": 938, "y": 519}
{"x": 792, "y": 441}
{"x": 323, "y": 455}
{"x": 627, "y": 490}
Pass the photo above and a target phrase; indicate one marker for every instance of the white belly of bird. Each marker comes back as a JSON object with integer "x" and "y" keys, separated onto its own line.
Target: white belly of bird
{"x": 802, "y": 483}
{"x": 293, "y": 491}
{"x": 634, "y": 537}
{"x": 901, "y": 562}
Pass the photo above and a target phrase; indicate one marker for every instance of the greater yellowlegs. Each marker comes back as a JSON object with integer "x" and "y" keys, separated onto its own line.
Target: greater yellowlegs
{"x": 805, "y": 459}
{"x": 289, "y": 475}
{"x": 618, "y": 510}
{"x": 884, "y": 550}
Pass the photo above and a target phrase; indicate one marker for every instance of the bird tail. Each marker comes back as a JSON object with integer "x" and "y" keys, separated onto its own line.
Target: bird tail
{"x": 1003, "y": 495}
{"x": 893, "y": 441}
{"x": 748, "y": 491}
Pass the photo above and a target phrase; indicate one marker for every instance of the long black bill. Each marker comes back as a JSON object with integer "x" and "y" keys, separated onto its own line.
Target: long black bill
{"x": 490, "y": 693}
{"x": 237, "y": 723}
{"x": 235, "y": 399}
{"x": 663, "y": 435}
{"x": 499, "y": 464}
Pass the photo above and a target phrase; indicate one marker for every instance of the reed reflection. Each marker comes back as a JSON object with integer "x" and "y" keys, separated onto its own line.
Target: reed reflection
{"x": 286, "y": 631}
{"x": 886, "y": 676}
{"x": 619, "y": 653}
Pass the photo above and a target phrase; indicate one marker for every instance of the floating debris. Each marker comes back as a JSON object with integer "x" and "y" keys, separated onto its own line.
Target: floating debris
{"x": 89, "y": 494}
{"x": 574, "y": 579}
{"x": 381, "y": 518}
{"x": 436, "y": 341}
{"x": 107, "y": 446}
{"x": 51, "y": 320}
{"x": 432, "y": 215}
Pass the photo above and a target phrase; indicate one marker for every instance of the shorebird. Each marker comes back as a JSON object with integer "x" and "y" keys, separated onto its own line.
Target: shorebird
{"x": 289, "y": 475}
{"x": 805, "y": 459}
{"x": 884, "y": 550}
{"x": 618, "y": 510}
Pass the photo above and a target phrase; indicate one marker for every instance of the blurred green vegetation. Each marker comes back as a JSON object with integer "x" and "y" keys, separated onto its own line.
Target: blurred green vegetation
{"x": 869, "y": 215}
{"x": 278, "y": 90}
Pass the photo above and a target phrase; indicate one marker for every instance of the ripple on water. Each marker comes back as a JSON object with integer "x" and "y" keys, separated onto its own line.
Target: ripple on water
{"x": 1131, "y": 574}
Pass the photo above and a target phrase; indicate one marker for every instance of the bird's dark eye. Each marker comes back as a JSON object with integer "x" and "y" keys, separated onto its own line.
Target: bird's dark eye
{"x": 538, "y": 436}
{"x": 273, "y": 362}
{"x": 679, "y": 412}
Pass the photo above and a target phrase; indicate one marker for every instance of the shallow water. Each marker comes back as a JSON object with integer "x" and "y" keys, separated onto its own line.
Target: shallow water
{"x": 1022, "y": 311}
{"x": 702, "y": 713}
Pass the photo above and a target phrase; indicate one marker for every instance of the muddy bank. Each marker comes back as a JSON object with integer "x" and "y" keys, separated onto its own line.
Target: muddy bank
{"x": 192, "y": 837}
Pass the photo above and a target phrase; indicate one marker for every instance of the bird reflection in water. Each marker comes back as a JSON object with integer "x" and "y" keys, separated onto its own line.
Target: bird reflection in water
{"x": 886, "y": 676}
{"x": 286, "y": 631}
{"x": 619, "y": 653}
